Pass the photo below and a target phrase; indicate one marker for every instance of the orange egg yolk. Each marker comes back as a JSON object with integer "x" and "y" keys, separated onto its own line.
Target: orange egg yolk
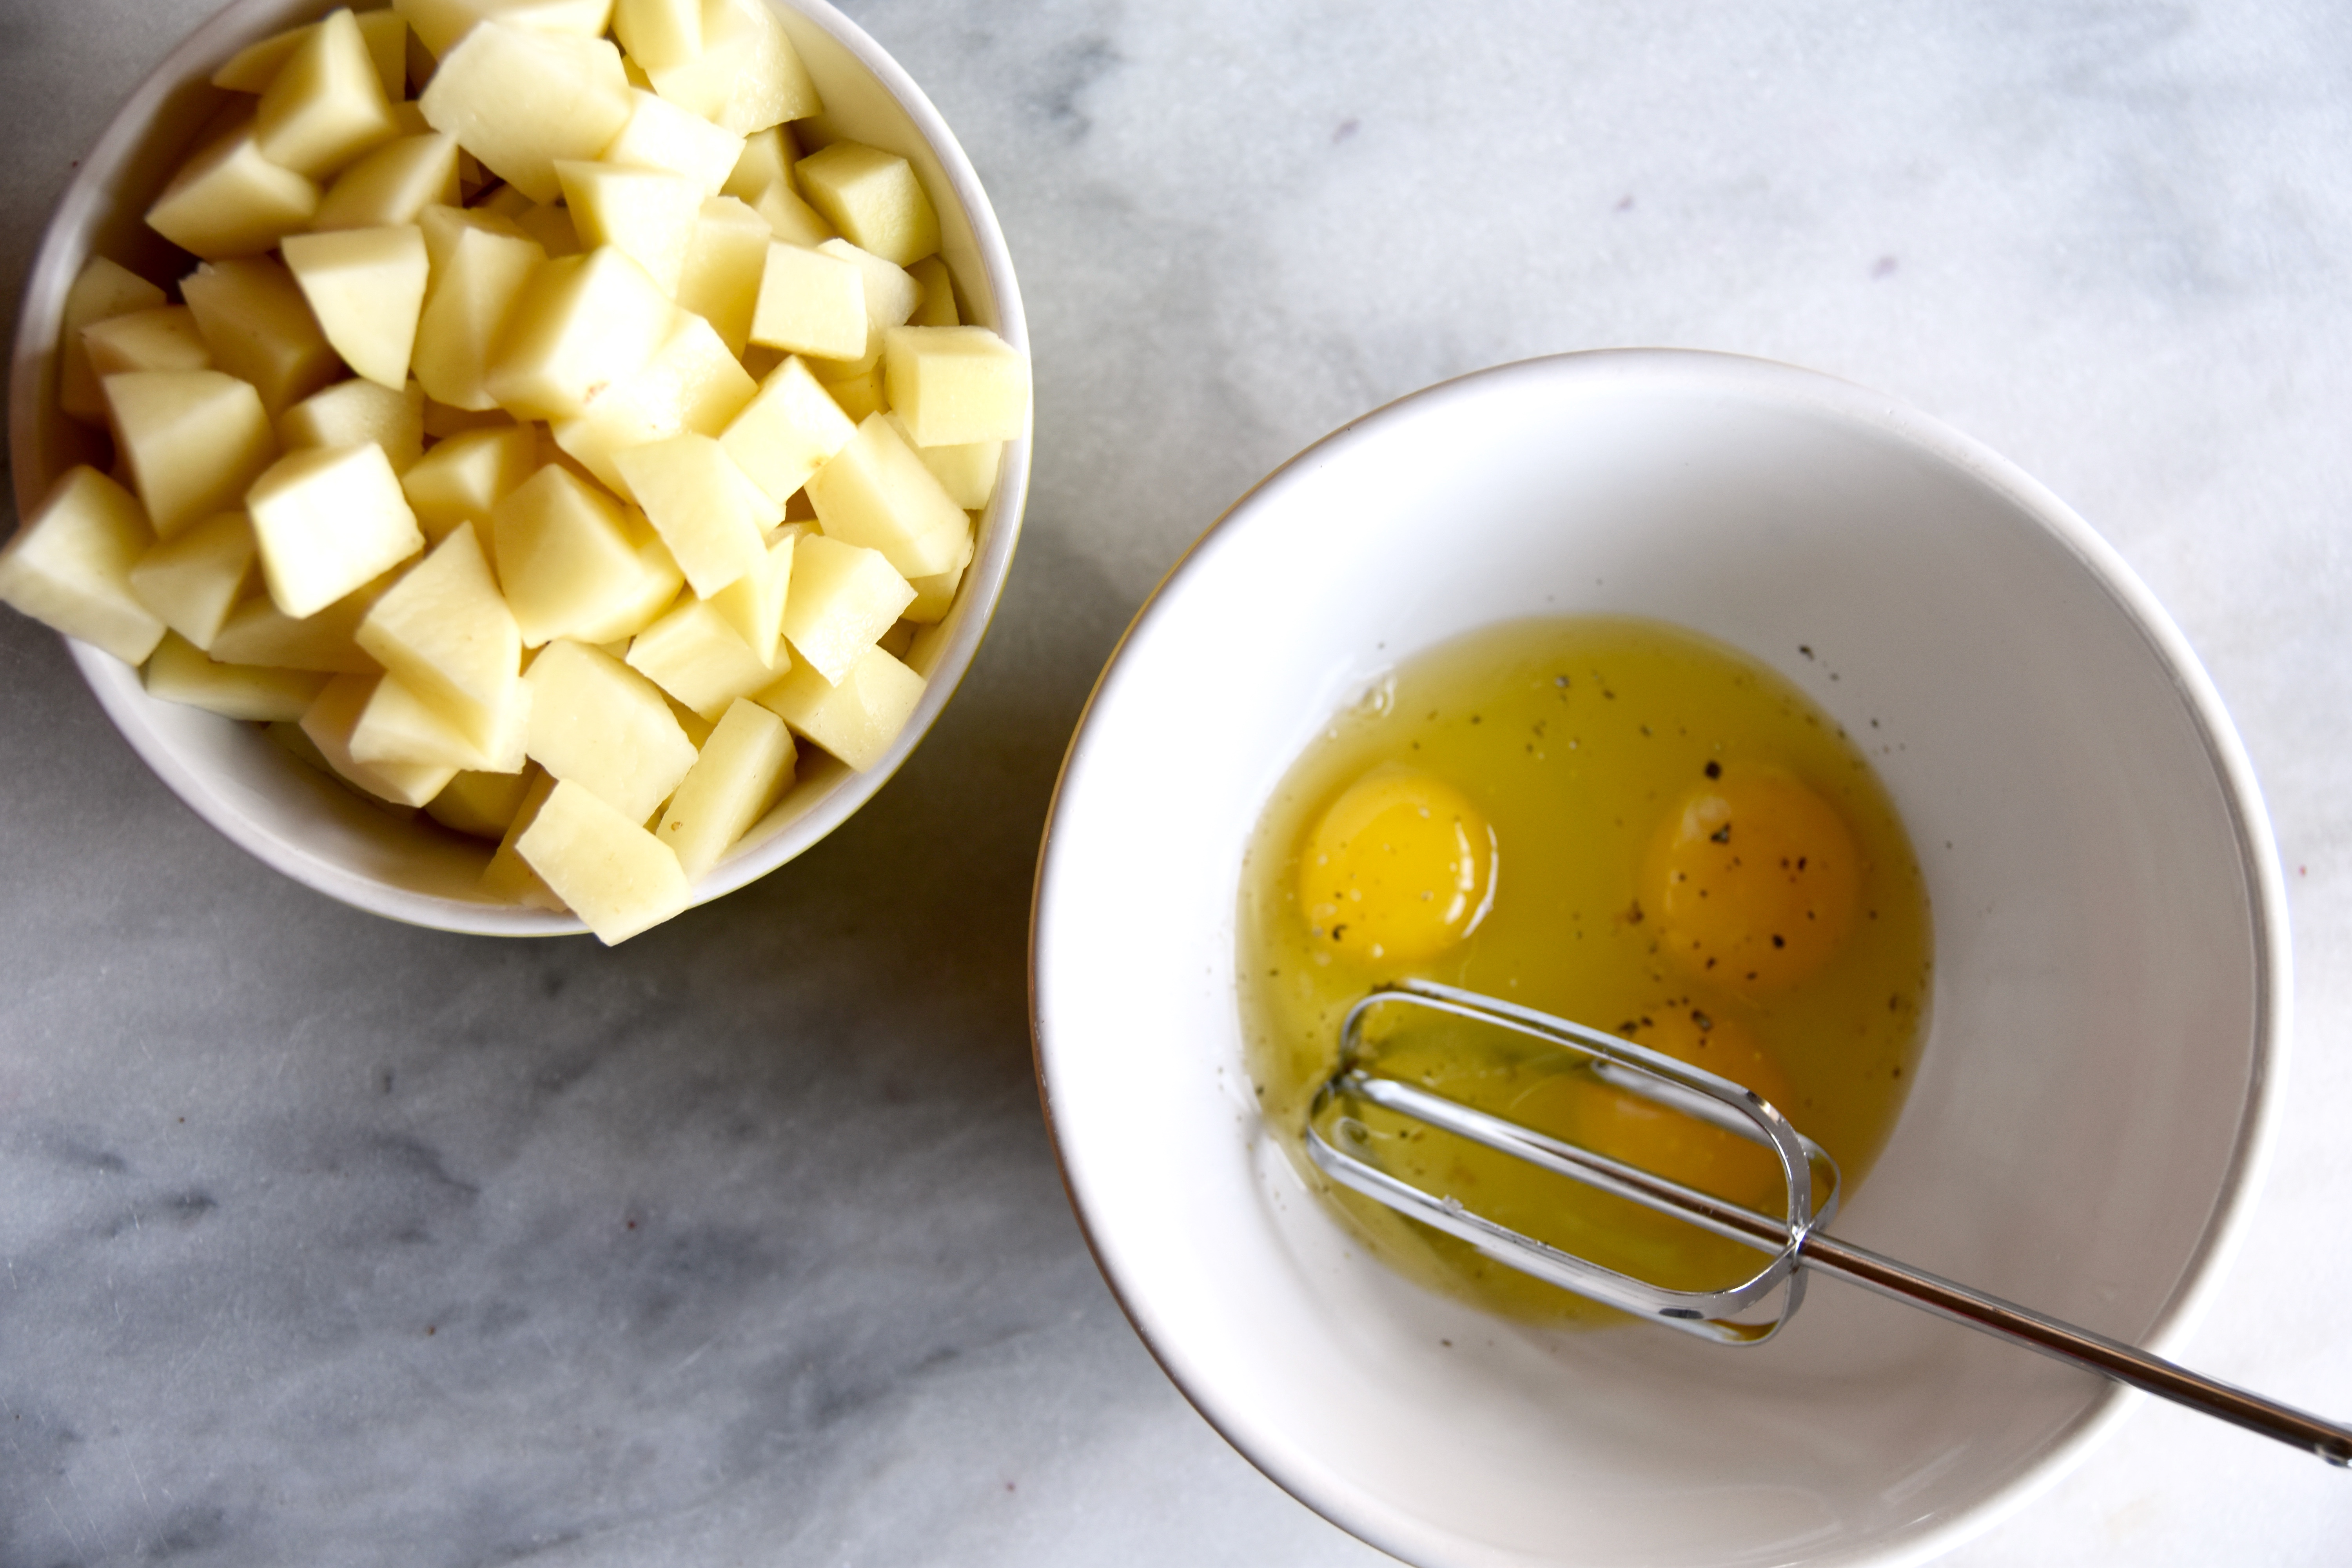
{"x": 1400, "y": 868}
{"x": 1754, "y": 880}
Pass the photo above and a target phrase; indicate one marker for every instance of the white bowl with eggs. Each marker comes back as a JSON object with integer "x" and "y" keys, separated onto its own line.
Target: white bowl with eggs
{"x": 297, "y": 820}
{"x": 2109, "y": 1017}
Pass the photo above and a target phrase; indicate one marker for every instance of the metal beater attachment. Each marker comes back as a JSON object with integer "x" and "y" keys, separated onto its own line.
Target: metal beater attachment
{"x": 1754, "y": 1309}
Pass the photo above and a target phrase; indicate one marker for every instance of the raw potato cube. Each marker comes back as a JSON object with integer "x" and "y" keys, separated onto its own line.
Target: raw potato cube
{"x": 855, "y": 721}
{"x": 585, "y": 325}
{"x": 259, "y": 632}
{"x": 748, "y": 75}
{"x": 366, "y": 286}
{"x": 937, "y": 307}
{"x": 251, "y": 68}
{"x": 438, "y": 24}
{"x": 550, "y": 225}
{"x": 891, "y": 293}
{"x": 193, "y": 441}
{"x": 398, "y": 728}
{"x": 787, "y": 432}
{"x": 326, "y": 105}
{"x": 464, "y": 477}
{"x": 707, "y": 510}
{"x": 956, "y": 385}
{"x": 875, "y": 492}
{"x": 444, "y": 630}
{"x": 481, "y": 264}
{"x": 327, "y": 519}
{"x": 392, "y": 184}
{"x": 596, "y": 722}
{"x": 178, "y": 671}
{"x": 69, "y": 567}
{"x": 480, "y": 805}
{"x": 228, "y": 200}
{"x": 660, "y": 34}
{"x": 164, "y": 338}
{"x": 519, "y": 98}
{"x": 767, "y": 159}
{"x": 810, "y": 303}
{"x": 873, "y": 198}
{"x": 507, "y": 878}
{"x": 659, "y": 581}
{"x": 744, "y": 769}
{"x": 843, "y": 599}
{"x": 694, "y": 655}
{"x": 351, "y": 413}
{"x": 330, "y": 721}
{"x": 661, "y": 135}
{"x": 260, "y": 329}
{"x": 720, "y": 280}
{"x": 648, "y": 215}
{"x": 859, "y": 394}
{"x": 103, "y": 291}
{"x": 691, "y": 384}
{"x": 192, "y": 583}
{"x": 967, "y": 472}
{"x": 568, "y": 564}
{"x": 614, "y": 875}
{"x": 788, "y": 218}
{"x": 934, "y": 597}
{"x": 753, "y": 605}
{"x": 899, "y": 641}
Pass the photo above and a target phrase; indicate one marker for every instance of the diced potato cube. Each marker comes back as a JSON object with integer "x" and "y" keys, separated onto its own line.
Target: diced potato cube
{"x": 481, "y": 264}
{"x": 101, "y": 291}
{"x": 707, "y": 510}
{"x": 439, "y": 24}
{"x": 228, "y": 200}
{"x": 748, "y": 75}
{"x": 691, "y": 384}
{"x": 660, "y": 34}
{"x": 326, "y": 105}
{"x": 387, "y": 35}
{"x": 720, "y": 280}
{"x": 659, "y": 581}
{"x": 873, "y": 198}
{"x": 480, "y": 805}
{"x": 192, "y": 583}
{"x": 567, "y": 563}
{"x": 519, "y": 98}
{"x": 260, "y": 329}
{"x": 648, "y": 215}
{"x": 596, "y": 722}
{"x": 891, "y": 294}
{"x": 585, "y": 325}
{"x": 164, "y": 338}
{"x": 788, "y": 218}
{"x": 330, "y": 721}
{"x": 767, "y": 159}
{"x": 398, "y": 728}
{"x": 507, "y": 878}
{"x": 614, "y": 875}
{"x": 550, "y": 224}
{"x": 744, "y": 769}
{"x": 937, "y": 307}
{"x": 787, "y": 432}
{"x": 956, "y": 385}
{"x": 178, "y": 671}
{"x": 843, "y": 598}
{"x": 352, "y": 412}
{"x": 967, "y": 472}
{"x": 366, "y": 286}
{"x": 465, "y": 476}
{"x": 193, "y": 441}
{"x": 693, "y": 654}
{"x": 859, "y": 393}
{"x": 753, "y": 605}
{"x": 444, "y": 631}
{"x": 934, "y": 597}
{"x": 898, "y": 640}
{"x": 857, "y": 720}
{"x": 69, "y": 567}
{"x": 875, "y": 492}
{"x": 327, "y": 519}
{"x": 810, "y": 303}
{"x": 387, "y": 46}
{"x": 661, "y": 135}
{"x": 250, "y": 68}
{"x": 392, "y": 184}
{"x": 259, "y": 632}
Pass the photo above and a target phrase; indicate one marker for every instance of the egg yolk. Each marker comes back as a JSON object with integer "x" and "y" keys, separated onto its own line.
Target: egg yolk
{"x": 1400, "y": 867}
{"x": 1754, "y": 880}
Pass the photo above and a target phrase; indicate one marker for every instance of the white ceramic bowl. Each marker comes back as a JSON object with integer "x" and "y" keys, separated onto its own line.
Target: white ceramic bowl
{"x": 2111, "y": 985}
{"x": 289, "y": 816}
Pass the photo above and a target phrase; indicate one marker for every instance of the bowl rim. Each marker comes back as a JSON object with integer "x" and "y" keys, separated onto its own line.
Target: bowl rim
{"x": 49, "y": 275}
{"x": 1772, "y": 383}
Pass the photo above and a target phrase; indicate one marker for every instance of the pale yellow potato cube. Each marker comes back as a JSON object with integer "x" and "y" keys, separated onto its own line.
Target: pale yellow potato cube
{"x": 767, "y": 159}
{"x": 549, "y": 222}
{"x": 228, "y": 200}
{"x": 874, "y": 199}
{"x": 69, "y": 567}
{"x": 481, "y": 266}
{"x": 698, "y": 729}
{"x": 951, "y": 385}
{"x": 967, "y": 472}
{"x": 898, "y": 640}
{"x": 507, "y": 878}
{"x": 859, "y": 393}
{"x": 891, "y": 295}
{"x": 647, "y": 214}
{"x": 748, "y": 75}
{"x": 659, "y": 581}
{"x": 787, "y": 432}
{"x": 843, "y": 598}
{"x": 192, "y": 583}
{"x": 937, "y": 307}
{"x": 585, "y": 325}
{"x": 366, "y": 286}
{"x": 934, "y": 597}
{"x": 192, "y": 440}
{"x": 707, "y": 510}
{"x": 178, "y": 671}
{"x": 567, "y": 563}
{"x": 250, "y": 68}
{"x": 596, "y": 722}
{"x": 398, "y": 728}
{"x": 439, "y": 24}
{"x": 327, "y": 519}
{"x": 810, "y": 303}
{"x": 519, "y": 98}
{"x": 412, "y": 122}
{"x": 616, "y": 876}
{"x": 753, "y": 605}
{"x": 387, "y": 46}
{"x": 387, "y": 37}
{"x": 330, "y": 721}
{"x": 104, "y": 290}
{"x": 875, "y": 492}
{"x": 660, "y": 34}
{"x": 694, "y": 655}
{"x": 352, "y": 412}
{"x": 464, "y": 477}
{"x": 744, "y": 769}
{"x": 162, "y": 339}
{"x": 326, "y": 105}
{"x": 259, "y": 632}
{"x": 788, "y": 218}
{"x": 857, "y": 720}
{"x": 691, "y": 384}
{"x": 720, "y": 280}
{"x": 661, "y": 135}
{"x": 450, "y": 637}
{"x": 392, "y": 184}
{"x": 260, "y": 329}
{"x": 481, "y": 805}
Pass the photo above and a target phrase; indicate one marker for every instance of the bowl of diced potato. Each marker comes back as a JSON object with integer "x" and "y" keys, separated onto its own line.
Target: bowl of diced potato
{"x": 521, "y": 466}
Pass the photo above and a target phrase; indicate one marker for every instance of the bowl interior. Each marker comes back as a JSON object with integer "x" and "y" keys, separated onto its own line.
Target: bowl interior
{"x": 2109, "y": 960}
{"x": 307, "y": 826}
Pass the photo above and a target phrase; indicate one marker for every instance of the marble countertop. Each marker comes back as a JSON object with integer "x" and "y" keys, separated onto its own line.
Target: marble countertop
{"x": 330, "y": 1241}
